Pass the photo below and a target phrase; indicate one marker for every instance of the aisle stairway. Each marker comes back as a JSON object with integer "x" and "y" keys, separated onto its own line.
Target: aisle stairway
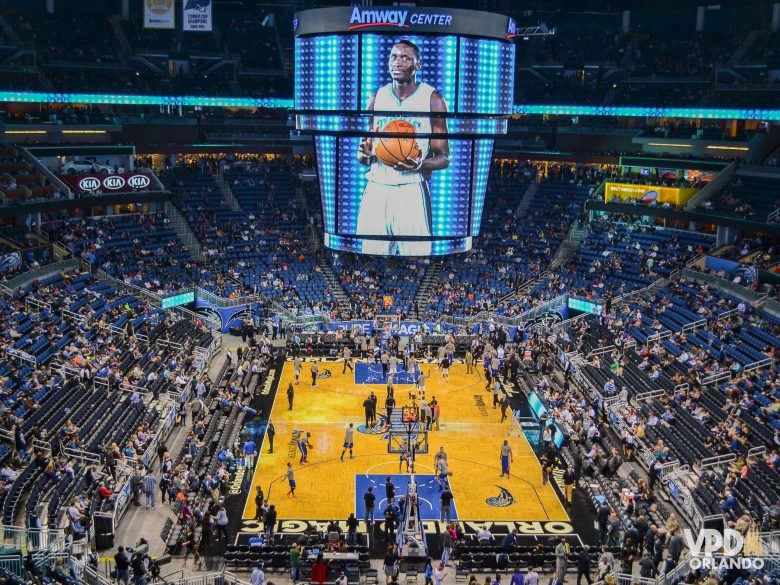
{"x": 423, "y": 294}
{"x": 334, "y": 284}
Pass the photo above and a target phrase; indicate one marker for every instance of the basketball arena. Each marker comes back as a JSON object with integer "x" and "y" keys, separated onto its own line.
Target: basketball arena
{"x": 433, "y": 292}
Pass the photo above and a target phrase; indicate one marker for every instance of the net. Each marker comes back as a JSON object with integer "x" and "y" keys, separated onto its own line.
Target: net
{"x": 402, "y": 441}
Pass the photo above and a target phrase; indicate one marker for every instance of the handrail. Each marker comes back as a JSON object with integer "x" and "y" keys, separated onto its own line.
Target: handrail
{"x": 659, "y": 336}
{"x": 86, "y": 457}
{"x": 764, "y": 363}
{"x": 633, "y": 579}
{"x": 740, "y": 291}
{"x": 650, "y": 394}
{"x": 37, "y": 273}
{"x": 22, "y": 355}
{"x": 695, "y": 325}
{"x": 37, "y": 304}
{"x": 715, "y": 378}
{"x": 717, "y": 460}
{"x": 601, "y": 350}
{"x": 155, "y": 298}
{"x": 727, "y": 314}
{"x": 678, "y": 472}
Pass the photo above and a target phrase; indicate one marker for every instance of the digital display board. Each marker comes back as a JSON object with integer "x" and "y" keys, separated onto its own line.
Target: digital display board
{"x": 648, "y": 194}
{"x": 404, "y": 125}
{"x": 539, "y": 410}
{"x": 585, "y": 306}
{"x": 178, "y": 300}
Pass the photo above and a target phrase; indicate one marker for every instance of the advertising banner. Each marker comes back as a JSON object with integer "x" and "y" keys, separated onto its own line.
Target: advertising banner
{"x": 197, "y": 15}
{"x": 116, "y": 182}
{"x": 159, "y": 14}
{"x": 647, "y": 194}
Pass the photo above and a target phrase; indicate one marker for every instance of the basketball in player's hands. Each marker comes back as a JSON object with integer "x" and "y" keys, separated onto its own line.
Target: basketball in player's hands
{"x": 450, "y": 474}
{"x": 392, "y": 150}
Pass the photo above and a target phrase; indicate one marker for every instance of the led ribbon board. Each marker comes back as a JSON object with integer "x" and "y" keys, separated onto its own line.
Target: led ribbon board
{"x": 584, "y": 306}
{"x": 346, "y": 93}
{"x": 178, "y": 300}
{"x": 36, "y": 97}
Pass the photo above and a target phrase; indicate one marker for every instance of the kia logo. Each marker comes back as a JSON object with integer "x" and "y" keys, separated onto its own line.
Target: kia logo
{"x": 138, "y": 181}
{"x": 113, "y": 182}
{"x": 89, "y": 184}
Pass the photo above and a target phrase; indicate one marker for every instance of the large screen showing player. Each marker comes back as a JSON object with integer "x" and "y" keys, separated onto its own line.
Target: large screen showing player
{"x": 403, "y": 175}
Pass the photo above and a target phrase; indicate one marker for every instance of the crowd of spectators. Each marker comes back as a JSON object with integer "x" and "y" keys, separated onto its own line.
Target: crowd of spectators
{"x": 264, "y": 244}
{"x": 20, "y": 182}
{"x": 690, "y": 420}
{"x": 140, "y": 249}
{"x": 62, "y": 337}
{"x": 747, "y": 197}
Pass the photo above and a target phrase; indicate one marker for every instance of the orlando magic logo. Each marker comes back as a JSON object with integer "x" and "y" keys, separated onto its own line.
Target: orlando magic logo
{"x": 502, "y": 500}
{"x": 747, "y": 274}
{"x": 378, "y": 429}
{"x": 10, "y": 261}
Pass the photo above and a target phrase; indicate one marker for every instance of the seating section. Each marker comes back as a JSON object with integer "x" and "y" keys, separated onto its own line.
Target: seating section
{"x": 141, "y": 249}
{"x": 19, "y": 182}
{"x": 748, "y": 197}
{"x": 707, "y": 353}
{"x": 264, "y": 245}
{"x": 369, "y": 280}
{"x": 616, "y": 258}
{"x": 71, "y": 361}
{"x": 662, "y": 60}
{"x": 510, "y": 252}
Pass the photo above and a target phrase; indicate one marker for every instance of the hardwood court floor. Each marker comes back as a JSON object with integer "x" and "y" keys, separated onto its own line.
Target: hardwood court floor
{"x": 470, "y": 434}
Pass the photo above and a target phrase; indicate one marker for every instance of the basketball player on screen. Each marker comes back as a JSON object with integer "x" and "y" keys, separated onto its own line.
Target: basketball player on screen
{"x": 396, "y": 201}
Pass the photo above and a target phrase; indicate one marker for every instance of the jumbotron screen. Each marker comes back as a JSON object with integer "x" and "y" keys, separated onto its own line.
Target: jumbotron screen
{"x": 404, "y": 124}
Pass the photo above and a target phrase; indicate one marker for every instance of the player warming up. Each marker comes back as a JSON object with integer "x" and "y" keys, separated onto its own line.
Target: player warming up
{"x": 349, "y": 441}
{"x": 396, "y": 201}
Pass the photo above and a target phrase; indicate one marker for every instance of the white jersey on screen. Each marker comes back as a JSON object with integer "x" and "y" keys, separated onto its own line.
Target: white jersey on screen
{"x": 397, "y": 203}
{"x": 386, "y": 100}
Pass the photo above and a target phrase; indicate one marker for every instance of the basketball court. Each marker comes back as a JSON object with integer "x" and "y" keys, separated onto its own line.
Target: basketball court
{"x": 470, "y": 432}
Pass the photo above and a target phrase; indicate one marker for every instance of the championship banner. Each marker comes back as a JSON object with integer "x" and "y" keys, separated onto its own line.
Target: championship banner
{"x": 160, "y": 14}
{"x": 117, "y": 182}
{"x": 197, "y": 15}
{"x": 647, "y": 194}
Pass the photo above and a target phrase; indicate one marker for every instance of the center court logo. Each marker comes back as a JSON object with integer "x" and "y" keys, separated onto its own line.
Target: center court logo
{"x": 504, "y": 499}
{"x": 324, "y": 374}
{"x": 378, "y": 429}
{"x": 713, "y": 549}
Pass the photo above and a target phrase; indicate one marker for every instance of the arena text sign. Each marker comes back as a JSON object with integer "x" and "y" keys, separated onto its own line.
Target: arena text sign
{"x": 534, "y": 528}
{"x": 399, "y": 18}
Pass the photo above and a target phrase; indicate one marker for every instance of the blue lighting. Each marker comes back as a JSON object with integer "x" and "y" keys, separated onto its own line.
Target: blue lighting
{"x": 31, "y": 97}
